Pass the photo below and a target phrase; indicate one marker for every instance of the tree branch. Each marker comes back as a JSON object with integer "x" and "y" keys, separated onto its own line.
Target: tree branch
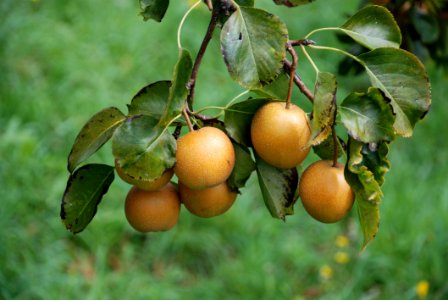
{"x": 303, "y": 42}
{"x": 194, "y": 74}
{"x": 298, "y": 81}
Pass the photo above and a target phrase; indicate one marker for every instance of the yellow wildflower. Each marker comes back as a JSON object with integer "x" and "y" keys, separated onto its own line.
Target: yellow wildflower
{"x": 422, "y": 288}
{"x": 341, "y": 257}
{"x": 326, "y": 272}
{"x": 342, "y": 241}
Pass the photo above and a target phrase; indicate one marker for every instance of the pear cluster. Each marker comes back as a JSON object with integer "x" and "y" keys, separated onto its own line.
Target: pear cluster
{"x": 281, "y": 136}
{"x": 204, "y": 161}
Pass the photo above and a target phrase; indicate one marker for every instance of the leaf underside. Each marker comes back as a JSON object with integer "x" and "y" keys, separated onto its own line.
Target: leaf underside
{"x": 151, "y": 100}
{"x": 238, "y": 119}
{"x": 324, "y": 107}
{"x": 368, "y": 117}
{"x": 143, "y": 148}
{"x": 153, "y": 9}
{"x": 366, "y": 166}
{"x": 278, "y": 188}
{"x": 244, "y": 166}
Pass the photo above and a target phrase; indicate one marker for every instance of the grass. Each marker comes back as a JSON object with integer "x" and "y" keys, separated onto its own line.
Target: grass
{"x": 63, "y": 61}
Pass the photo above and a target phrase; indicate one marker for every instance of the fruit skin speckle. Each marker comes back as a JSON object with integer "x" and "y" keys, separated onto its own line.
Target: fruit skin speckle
{"x": 204, "y": 158}
{"x": 279, "y": 135}
{"x": 148, "y": 211}
{"x": 207, "y": 203}
{"x": 325, "y": 193}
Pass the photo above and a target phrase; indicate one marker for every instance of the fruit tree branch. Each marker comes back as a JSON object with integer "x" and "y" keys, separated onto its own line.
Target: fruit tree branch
{"x": 298, "y": 81}
{"x": 303, "y": 42}
{"x": 194, "y": 74}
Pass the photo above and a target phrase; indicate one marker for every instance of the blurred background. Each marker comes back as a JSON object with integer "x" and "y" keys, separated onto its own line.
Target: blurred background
{"x": 62, "y": 61}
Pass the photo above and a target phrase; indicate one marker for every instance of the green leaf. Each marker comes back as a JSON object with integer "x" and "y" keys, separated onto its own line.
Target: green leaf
{"x": 373, "y": 27}
{"x": 403, "y": 79}
{"x": 244, "y": 166}
{"x": 95, "y": 133}
{"x": 426, "y": 25}
{"x": 325, "y": 149}
{"x": 369, "y": 219}
{"x": 366, "y": 166}
{"x": 278, "y": 187}
{"x": 245, "y": 2}
{"x": 151, "y": 100}
{"x": 277, "y": 89}
{"x": 178, "y": 92}
{"x": 292, "y": 3}
{"x": 368, "y": 117}
{"x": 324, "y": 107}
{"x": 153, "y": 9}
{"x": 368, "y": 163}
{"x": 85, "y": 189}
{"x": 144, "y": 148}
{"x": 238, "y": 119}
{"x": 253, "y": 44}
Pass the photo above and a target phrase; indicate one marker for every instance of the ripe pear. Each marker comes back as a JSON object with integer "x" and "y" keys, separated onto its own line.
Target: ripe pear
{"x": 148, "y": 211}
{"x": 325, "y": 193}
{"x": 279, "y": 134}
{"x": 209, "y": 202}
{"x": 204, "y": 158}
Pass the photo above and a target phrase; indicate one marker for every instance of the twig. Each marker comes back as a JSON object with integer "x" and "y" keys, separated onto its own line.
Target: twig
{"x": 194, "y": 74}
{"x": 298, "y": 81}
{"x": 292, "y": 73}
{"x": 201, "y": 116}
{"x": 302, "y": 42}
{"x": 206, "y": 119}
{"x": 177, "y": 131}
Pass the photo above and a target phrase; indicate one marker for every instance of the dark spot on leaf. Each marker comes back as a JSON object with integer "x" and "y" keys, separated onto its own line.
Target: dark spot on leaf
{"x": 240, "y": 37}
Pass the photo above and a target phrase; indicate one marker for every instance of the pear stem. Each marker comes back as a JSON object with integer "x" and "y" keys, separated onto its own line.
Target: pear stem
{"x": 292, "y": 73}
{"x": 187, "y": 119}
{"x": 298, "y": 81}
{"x": 335, "y": 147}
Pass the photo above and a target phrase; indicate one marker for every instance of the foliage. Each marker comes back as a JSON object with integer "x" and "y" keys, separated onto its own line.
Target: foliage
{"x": 424, "y": 26}
{"x": 254, "y": 43}
{"x": 240, "y": 253}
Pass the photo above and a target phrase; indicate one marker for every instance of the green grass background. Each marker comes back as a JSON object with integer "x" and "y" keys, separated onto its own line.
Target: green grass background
{"x": 62, "y": 61}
